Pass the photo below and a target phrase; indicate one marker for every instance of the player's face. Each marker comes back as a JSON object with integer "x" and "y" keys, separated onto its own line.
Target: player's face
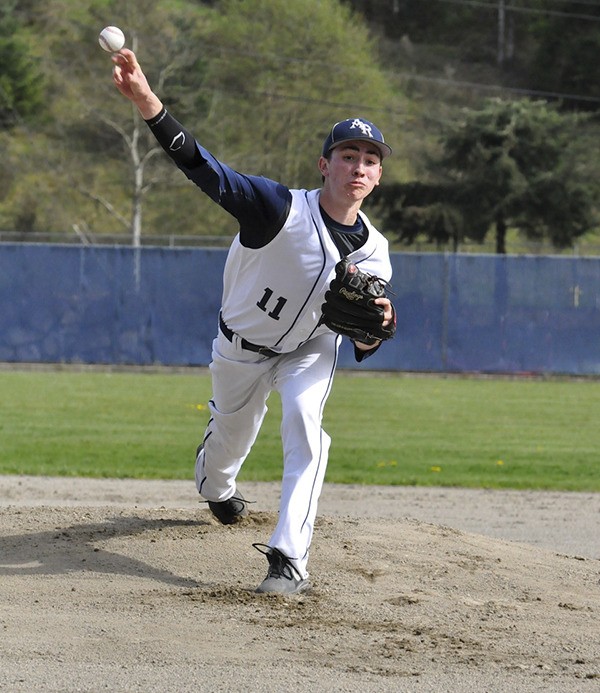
{"x": 352, "y": 170}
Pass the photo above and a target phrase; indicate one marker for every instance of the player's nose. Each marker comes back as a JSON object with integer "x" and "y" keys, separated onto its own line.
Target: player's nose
{"x": 359, "y": 167}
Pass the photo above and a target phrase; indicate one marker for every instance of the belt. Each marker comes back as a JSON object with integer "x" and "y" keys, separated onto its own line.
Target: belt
{"x": 262, "y": 350}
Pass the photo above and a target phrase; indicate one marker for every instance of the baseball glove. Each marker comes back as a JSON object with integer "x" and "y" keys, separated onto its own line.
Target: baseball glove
{"x": 350, "y": 307}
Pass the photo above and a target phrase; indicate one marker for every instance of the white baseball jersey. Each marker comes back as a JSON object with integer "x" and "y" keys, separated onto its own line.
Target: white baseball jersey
{"x": 272, "y": 295}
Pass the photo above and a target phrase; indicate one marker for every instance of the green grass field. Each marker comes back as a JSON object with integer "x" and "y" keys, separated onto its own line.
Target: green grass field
{"x": 386, "y": 429}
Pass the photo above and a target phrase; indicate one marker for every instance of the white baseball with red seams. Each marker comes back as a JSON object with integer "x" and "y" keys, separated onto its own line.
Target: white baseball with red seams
{"x": 112, "y": 39}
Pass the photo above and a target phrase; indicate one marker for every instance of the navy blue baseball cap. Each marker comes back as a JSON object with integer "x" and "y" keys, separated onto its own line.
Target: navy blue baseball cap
{"x": 356, "y": 129}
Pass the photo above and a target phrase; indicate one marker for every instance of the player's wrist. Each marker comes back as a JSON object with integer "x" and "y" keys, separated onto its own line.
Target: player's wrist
{"x": 149, "y": 106}
{"x": 362, "y": 346}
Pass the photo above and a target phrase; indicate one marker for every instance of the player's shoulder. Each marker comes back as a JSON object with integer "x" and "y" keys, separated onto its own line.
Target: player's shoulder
{"x": 302, "y": 195}
{"x": 273, "y": 190}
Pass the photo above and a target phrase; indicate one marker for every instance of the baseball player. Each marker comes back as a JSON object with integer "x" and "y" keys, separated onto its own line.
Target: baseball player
{"x": 271, "y": 333}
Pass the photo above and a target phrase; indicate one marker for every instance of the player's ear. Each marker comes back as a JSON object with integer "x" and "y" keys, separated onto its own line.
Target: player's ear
{"x": 323, "y": 165}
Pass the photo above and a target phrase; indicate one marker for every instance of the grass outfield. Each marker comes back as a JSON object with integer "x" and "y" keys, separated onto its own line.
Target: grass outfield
{"x": 386, "y": 429}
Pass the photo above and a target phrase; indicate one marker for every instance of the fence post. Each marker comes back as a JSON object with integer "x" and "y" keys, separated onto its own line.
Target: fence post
{"x": 445, "y": 309}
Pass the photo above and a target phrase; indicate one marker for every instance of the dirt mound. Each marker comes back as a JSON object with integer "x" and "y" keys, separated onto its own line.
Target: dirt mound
{"x": 113, "y": 597}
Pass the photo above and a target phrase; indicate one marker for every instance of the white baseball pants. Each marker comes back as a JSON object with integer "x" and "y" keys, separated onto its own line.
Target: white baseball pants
{"x": 242, "y": 382}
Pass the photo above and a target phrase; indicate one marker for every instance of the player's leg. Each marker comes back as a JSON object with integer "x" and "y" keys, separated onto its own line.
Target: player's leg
{"x": 241, "y": 383}
{"x": 304, "y": 381}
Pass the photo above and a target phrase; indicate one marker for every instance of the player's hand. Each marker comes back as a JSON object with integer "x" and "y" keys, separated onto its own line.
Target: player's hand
{"x": 388, "y": 317}
{"x": 131, "y": 81}
{"x": 388, "y": 311}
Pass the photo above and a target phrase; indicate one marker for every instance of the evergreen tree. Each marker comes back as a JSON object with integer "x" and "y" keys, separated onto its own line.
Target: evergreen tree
{"x": 506, "y": 165}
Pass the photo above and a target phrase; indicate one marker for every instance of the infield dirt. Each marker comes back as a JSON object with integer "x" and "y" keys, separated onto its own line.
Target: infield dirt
{"x": 112, "y": 585}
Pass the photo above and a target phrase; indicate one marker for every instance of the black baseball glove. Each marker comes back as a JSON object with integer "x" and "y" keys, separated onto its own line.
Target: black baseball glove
{"x": 350, "y": 307}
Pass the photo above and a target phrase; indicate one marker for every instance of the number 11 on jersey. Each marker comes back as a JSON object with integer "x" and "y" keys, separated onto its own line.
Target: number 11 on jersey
{"x": 267, "y": 296}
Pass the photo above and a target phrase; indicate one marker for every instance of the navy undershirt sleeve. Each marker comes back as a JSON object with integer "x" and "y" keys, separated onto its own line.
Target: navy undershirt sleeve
{"x": 260, "y": 205}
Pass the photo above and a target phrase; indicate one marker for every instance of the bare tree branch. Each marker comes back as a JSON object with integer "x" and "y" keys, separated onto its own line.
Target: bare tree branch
{"x": 104, "y": 203}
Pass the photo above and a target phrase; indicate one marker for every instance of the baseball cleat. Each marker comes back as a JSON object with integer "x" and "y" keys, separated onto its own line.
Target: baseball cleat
{"x": 282, "y": 576}
{"x": 230, "y": 511}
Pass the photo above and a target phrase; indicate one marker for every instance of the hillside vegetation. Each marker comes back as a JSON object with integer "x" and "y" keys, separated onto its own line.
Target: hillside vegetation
{"x": 259, "y": 82}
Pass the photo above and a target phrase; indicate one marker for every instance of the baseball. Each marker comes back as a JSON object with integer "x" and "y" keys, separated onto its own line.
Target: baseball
{"x": 112, "y": 39}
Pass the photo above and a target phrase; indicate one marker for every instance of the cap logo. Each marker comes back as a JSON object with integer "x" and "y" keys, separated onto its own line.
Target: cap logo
{"x": 365, "y": 128}
{"x": 355, "y": 129}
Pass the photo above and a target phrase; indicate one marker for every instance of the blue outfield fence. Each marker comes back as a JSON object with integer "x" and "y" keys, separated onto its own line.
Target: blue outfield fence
{"x": 456, "y": 313}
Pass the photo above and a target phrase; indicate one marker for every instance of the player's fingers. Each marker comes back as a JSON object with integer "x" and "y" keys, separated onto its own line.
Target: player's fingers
{"x": 127, "y": 62}
{"x": 130, "y": 60}
{"x": 126, "y": 55}
{"x": 388, "y": 312}
{"x": 117, "y": 75}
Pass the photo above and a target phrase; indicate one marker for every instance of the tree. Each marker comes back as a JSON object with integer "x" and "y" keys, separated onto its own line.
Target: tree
{"x": 565, "y": 42}
{"x": 258, "y": 81}
{"x": 162, "y": 33}
{"x": 510, "y": 165}
{"x": 254, "y": 80}
{"x": 106, "y": 161}
{"x": 281, "y": 73}
{"x": 420, "y": 211}
{"x": 21, "y": 83}
{"x": 507, "y": 165}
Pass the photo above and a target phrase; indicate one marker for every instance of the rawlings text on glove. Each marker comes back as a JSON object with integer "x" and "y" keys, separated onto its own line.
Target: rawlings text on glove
{"x": 350, "y": 307}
